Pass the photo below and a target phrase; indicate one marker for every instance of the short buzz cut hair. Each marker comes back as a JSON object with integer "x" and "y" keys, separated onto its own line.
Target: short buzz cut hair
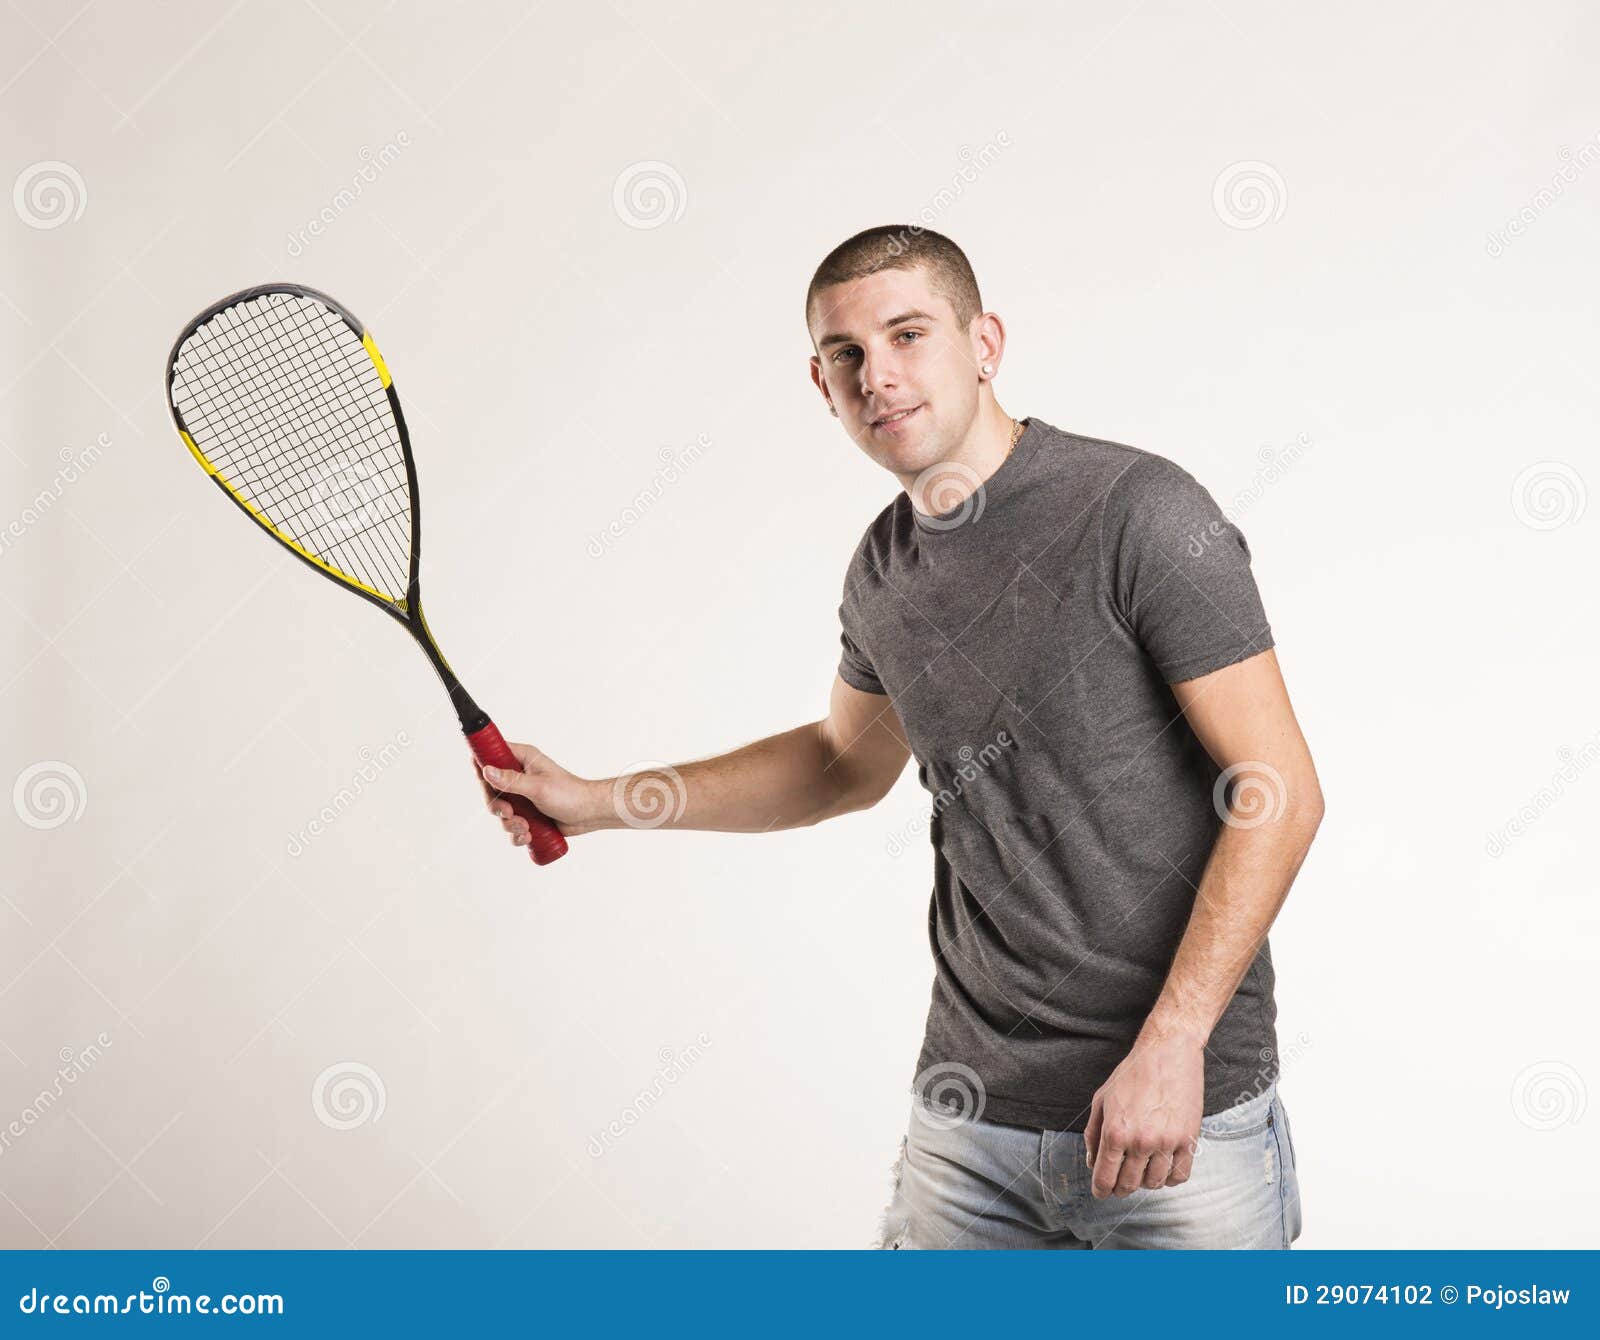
{"x": 902, "y": 247}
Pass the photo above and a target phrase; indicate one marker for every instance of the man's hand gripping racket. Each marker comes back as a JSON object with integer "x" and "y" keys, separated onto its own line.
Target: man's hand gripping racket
{"x": 282, "y": 397}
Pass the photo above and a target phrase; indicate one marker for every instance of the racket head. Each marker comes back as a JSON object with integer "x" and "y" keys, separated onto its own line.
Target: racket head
{"x": 282, "y": 397}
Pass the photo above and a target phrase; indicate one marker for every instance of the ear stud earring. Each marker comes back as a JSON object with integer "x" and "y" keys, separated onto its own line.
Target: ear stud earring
{"x": 987, "y": 369}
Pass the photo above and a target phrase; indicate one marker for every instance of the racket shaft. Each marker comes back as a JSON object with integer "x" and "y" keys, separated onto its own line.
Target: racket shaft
{"x": 546, "y": 844}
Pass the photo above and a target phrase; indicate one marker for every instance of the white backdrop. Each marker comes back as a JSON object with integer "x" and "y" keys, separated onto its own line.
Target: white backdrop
{"x": 1339, "y": 265}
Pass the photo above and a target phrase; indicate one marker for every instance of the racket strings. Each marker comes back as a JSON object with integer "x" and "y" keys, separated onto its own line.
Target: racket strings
{"x": 340, "y": 507}
{"x": 284, "y": 401}
{"x": 346, "y": 508}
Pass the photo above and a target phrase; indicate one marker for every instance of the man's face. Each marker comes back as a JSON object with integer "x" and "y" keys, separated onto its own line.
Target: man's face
{"x": 887, "y": 344}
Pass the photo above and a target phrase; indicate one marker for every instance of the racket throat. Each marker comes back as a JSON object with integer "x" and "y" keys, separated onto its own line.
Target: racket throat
{"x": 472, "y": 717}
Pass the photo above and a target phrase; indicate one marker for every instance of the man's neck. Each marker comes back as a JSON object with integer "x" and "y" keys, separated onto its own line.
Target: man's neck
{"x": 958, "y": 475}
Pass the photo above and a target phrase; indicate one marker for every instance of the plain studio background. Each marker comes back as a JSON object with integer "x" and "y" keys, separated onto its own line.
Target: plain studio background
{"x": 1340, "y": 267}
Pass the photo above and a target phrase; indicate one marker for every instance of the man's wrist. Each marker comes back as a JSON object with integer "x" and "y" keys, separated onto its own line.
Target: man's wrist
{"x": 600, "y": 805}
{"x": 1173, "y": 1030}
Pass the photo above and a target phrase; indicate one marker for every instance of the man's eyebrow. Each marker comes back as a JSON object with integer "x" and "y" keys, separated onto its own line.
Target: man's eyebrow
{"x": 838, "y": 337}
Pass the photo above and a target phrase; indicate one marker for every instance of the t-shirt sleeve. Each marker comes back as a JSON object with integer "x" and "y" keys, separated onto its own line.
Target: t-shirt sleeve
{"x": 855, "y": 665}
{"x": 1179, "y": 572}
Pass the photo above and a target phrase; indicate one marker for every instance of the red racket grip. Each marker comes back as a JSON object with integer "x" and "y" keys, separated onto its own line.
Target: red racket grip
{"x": 547, "y": 844}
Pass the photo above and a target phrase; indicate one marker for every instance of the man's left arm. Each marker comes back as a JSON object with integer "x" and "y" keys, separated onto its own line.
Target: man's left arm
{"x": 1145, "y": 1118}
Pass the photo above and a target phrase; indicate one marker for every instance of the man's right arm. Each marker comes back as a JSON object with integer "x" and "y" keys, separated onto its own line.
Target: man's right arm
{"x": 846, "y": 761}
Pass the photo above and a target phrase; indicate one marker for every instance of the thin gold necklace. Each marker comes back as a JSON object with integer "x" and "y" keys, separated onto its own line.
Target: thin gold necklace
{"x": 1016, "y": 434}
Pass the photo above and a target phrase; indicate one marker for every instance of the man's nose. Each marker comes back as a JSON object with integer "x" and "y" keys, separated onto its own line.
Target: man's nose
{"x": 878, "y": 374}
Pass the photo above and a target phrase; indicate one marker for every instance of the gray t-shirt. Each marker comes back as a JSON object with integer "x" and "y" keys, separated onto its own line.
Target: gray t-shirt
{"x": 1027, "y": 640}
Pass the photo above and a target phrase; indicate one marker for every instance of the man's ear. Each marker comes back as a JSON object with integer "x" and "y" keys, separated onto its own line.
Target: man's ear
{"x": 988, "y": 329}
{"x": 816, "y": 377}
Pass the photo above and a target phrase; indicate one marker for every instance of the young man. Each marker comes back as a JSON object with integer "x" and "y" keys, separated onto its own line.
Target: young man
{"x": 1067, "y": 635}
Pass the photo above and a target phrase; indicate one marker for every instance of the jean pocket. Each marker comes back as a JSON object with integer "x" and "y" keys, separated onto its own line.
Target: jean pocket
{"x": 1250, "y": 1117}
{"x": 1288, "y": 1130}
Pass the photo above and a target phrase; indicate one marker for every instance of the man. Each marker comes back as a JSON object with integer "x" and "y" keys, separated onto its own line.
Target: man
{"x": 1066, "y": 633}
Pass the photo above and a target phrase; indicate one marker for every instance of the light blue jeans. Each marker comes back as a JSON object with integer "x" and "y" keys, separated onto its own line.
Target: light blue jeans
{"x": 969, "y": 1183}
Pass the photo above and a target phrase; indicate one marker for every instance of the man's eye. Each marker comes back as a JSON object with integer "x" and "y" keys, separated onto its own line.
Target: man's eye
{"x": 914, "y": 334}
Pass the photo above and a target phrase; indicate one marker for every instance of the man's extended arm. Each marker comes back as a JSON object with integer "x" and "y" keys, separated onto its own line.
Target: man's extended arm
{"x": 1146, "y": 1116}
{"x": 846, "y": 761}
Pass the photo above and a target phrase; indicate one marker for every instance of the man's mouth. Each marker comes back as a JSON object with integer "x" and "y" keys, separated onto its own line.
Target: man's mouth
{"x": 897, "y": 418}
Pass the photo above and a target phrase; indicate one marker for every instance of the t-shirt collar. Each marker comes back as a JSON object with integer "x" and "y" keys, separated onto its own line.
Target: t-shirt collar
{"x": 997, "y": 486}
